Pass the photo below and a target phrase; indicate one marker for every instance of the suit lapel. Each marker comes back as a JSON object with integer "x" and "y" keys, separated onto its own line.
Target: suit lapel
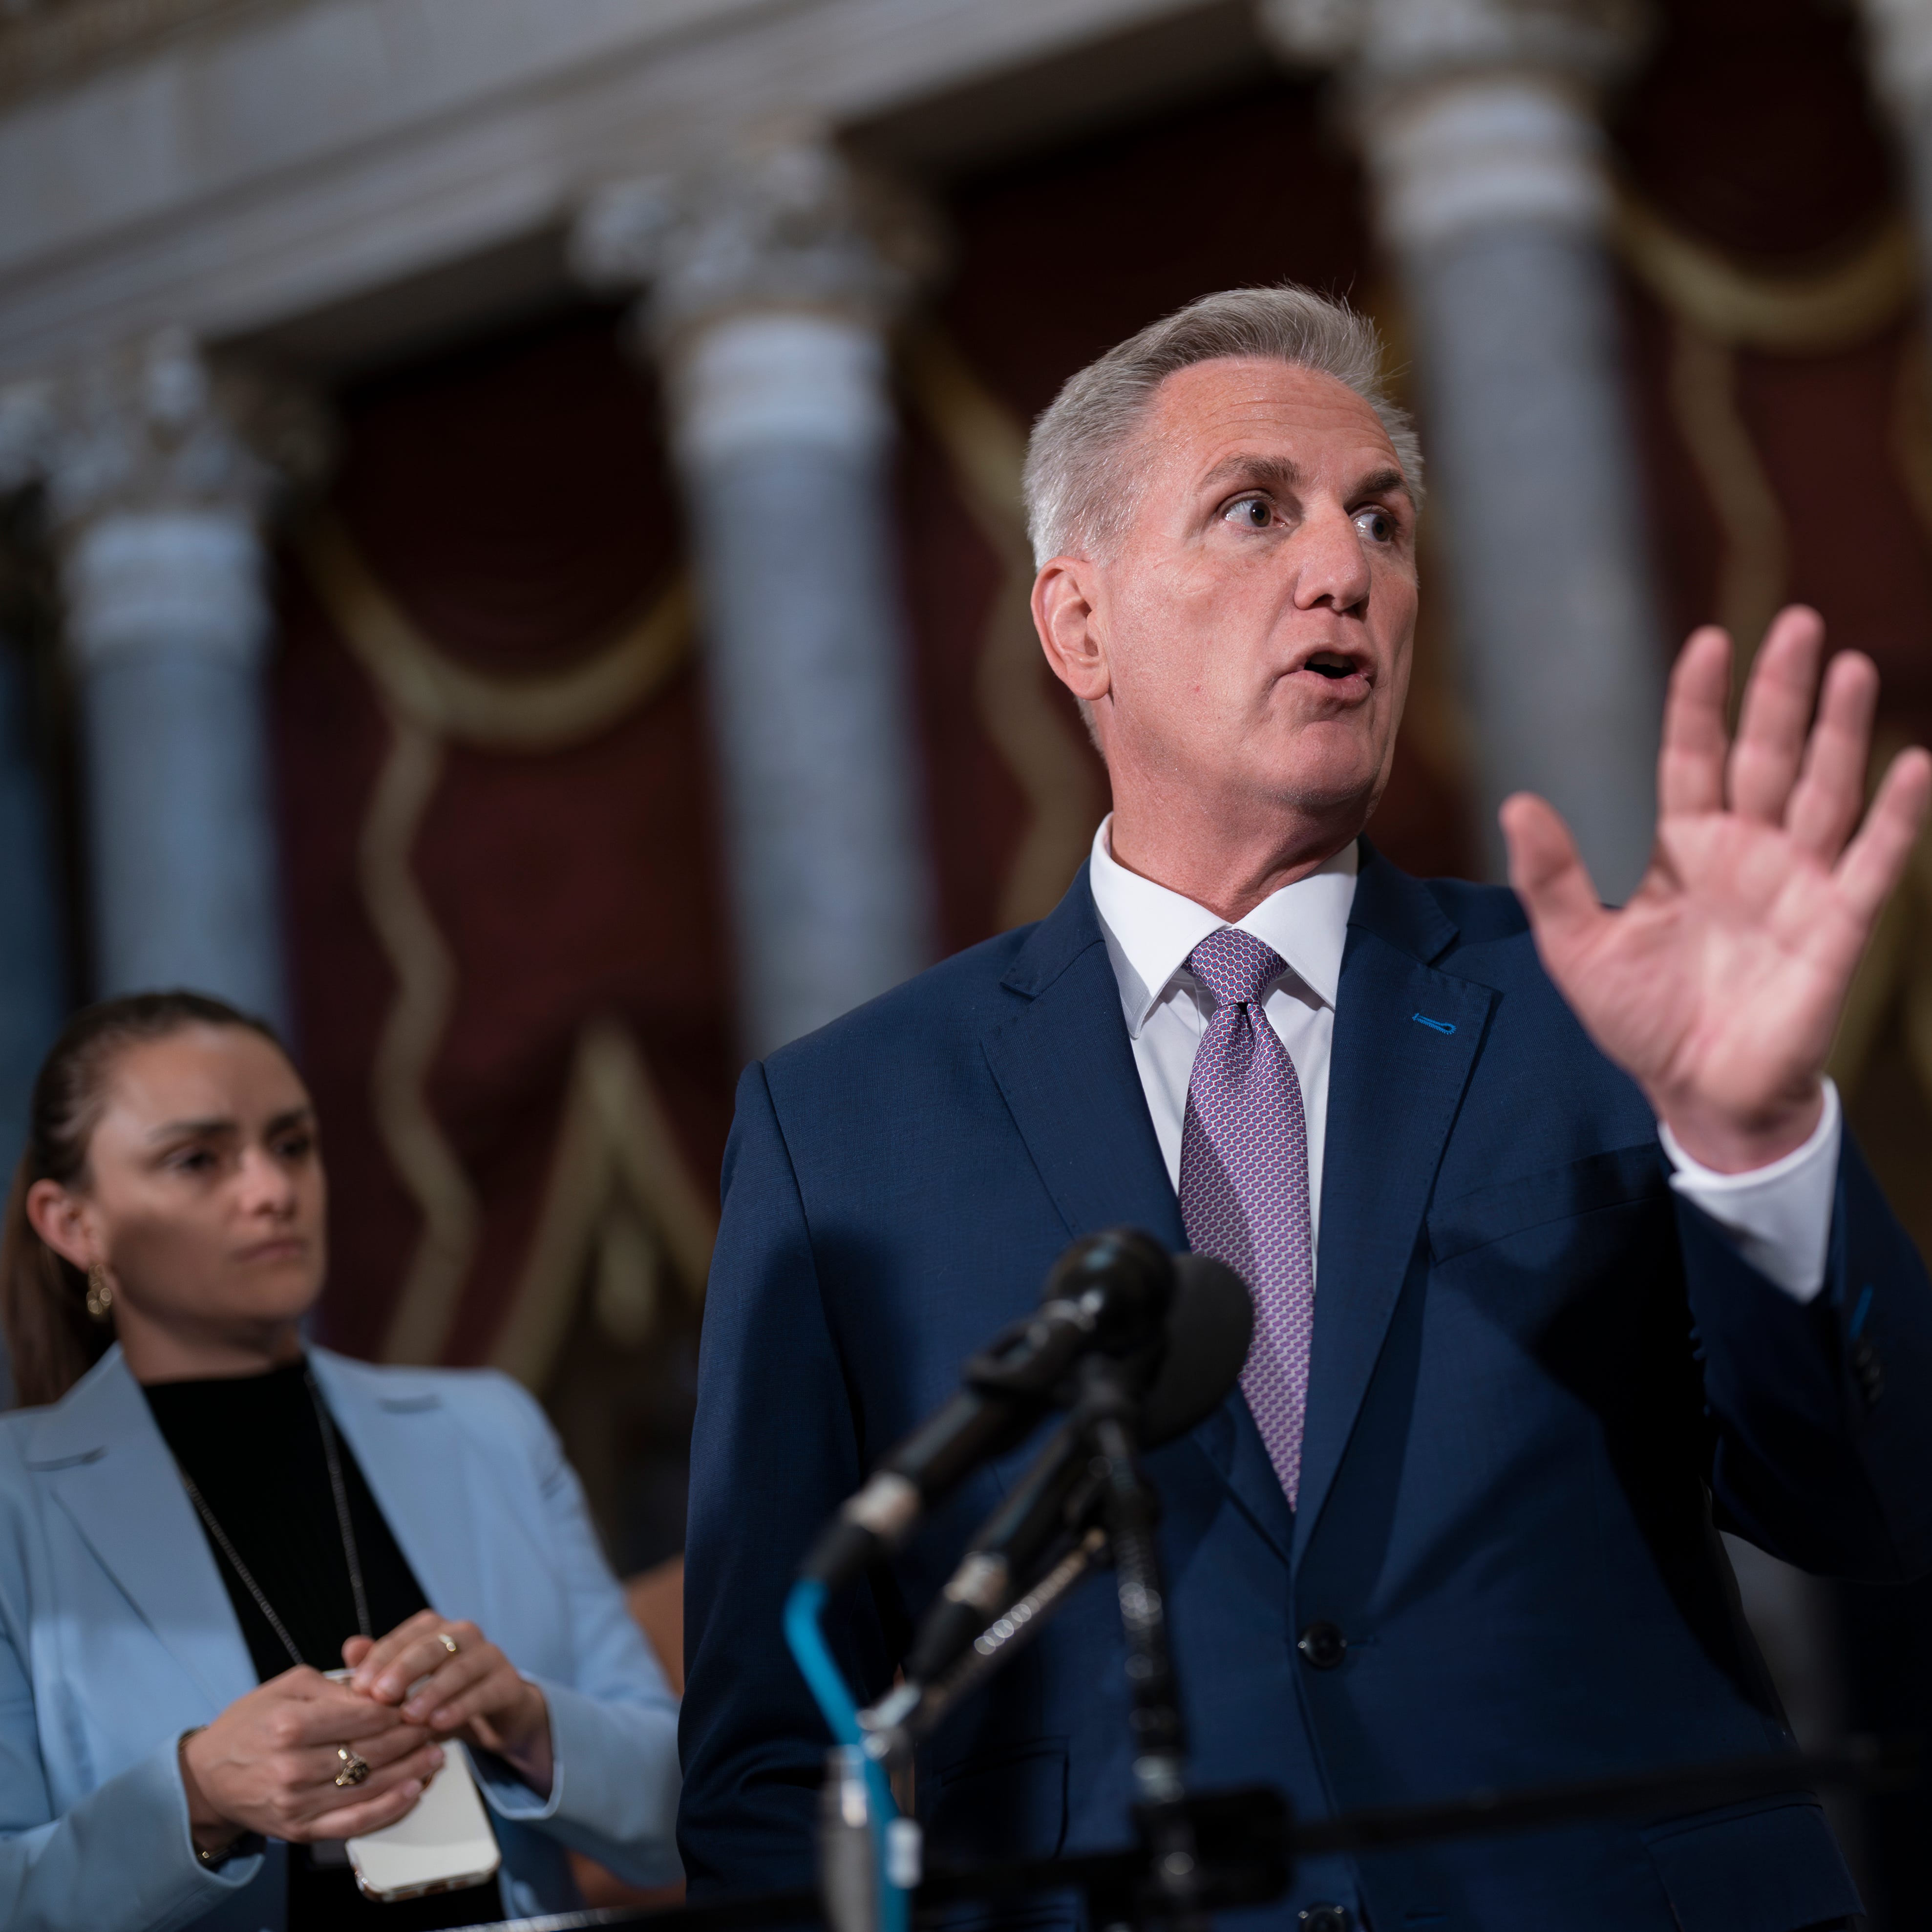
{"x": 416, "y": 1467}
{"x": 1406, "y": 1037}
{"x": 107, "y": 1466}
{"x": 1066, "y": 1067}
{"x": 1233, "y": 1445}
{"x": 103, "y": 1459}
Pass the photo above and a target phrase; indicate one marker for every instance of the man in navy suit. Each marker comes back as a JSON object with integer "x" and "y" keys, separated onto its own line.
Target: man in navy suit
{"x": 1561, "y": 1257}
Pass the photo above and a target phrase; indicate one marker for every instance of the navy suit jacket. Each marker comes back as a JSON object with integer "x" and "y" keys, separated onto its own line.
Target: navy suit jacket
{"x": 1540, "y": 1382}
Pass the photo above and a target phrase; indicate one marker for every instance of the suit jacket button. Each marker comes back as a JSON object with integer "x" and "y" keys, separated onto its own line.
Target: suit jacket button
{"x": 1323, "y": 1645}
{"x": 1326, "y": 1918}
{"x": 1870, "y": 1371}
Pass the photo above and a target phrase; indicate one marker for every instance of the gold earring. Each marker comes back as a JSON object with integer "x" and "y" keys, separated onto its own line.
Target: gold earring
{"x": 100, "y": 1291}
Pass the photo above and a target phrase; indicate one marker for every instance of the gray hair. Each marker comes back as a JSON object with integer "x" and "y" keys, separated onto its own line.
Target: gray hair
{"x": 1082, "y": 484}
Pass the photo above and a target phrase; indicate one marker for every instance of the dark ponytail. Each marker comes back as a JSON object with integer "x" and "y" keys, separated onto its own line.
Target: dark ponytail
{"x": 52, "y": 1339}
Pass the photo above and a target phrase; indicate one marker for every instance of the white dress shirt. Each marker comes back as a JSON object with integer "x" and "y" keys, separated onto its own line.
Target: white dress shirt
{"x": 1780, "y": 1216}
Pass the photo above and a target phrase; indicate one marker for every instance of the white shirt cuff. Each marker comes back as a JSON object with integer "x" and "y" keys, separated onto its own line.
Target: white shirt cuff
{"x": 1780, "y": 1216}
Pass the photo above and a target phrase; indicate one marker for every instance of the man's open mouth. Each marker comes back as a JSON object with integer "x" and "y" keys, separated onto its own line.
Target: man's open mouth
{"x": 1331, "y": 664}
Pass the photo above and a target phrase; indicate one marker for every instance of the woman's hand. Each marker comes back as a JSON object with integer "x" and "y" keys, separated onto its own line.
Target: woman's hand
{"x": 268, "y": 1764}
{"x": 447, "y": 1676}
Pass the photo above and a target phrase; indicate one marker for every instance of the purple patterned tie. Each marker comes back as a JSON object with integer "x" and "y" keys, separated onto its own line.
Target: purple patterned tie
{"x": 1244, "y": 1182}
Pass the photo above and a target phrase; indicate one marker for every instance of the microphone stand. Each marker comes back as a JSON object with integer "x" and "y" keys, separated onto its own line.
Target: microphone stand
{"x": 1109, "y": 1408}
{"x": 1250, "y": 1841}
{"x": 1193, "y": 1852}
{"x": 1105, "y": 1416}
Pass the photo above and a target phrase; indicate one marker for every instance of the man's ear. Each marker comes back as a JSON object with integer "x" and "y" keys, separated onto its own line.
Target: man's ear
{"x": 1071, "y": 632}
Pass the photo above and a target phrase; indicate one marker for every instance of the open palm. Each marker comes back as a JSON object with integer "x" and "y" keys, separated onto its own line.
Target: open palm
{"x": 1719, "y": 986}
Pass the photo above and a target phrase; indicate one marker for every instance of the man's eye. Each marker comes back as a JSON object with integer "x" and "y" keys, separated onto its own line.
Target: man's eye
{"x": 1251, "y": 513}
{"x": 193, "y": 1160}
{"x": 1376, "y": 524}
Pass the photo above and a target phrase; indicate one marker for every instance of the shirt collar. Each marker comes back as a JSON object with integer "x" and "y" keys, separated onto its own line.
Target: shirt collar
{"x": 1151, "y": 931}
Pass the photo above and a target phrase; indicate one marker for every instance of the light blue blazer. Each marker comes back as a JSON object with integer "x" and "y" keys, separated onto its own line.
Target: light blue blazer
{"x": 117, "y": 1635}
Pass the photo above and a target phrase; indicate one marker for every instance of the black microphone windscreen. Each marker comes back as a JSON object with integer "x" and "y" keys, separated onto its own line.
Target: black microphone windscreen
{"x": 1209, "y": 1324}
{"x": 1132, "y": 1275}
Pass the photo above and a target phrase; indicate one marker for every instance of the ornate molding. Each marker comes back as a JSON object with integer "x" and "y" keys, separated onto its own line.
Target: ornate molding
{"x": 425, "y": 970}
{"x": 1754, "y": 556}
{"x": 985, "y": 446}
{"x": 429, "y": 700}
{"x": 424, "y": 684}
{"x": 788, "y": 224}
{"x": 620, "y": 1202}
{"x": 45, "y": 44}
{"x": 1820, "y": 311}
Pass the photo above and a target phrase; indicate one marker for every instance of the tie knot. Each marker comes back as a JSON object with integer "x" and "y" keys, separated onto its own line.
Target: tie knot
{"x": 1234, "y": 966}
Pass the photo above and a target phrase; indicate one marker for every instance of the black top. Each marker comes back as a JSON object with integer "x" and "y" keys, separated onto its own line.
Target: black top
{"x": 254, "y": 1448}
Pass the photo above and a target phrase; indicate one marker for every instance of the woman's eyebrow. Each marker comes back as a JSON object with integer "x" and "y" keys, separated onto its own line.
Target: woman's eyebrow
{"x": 181, "y": 1129}
{"x": 216, "y": 1125}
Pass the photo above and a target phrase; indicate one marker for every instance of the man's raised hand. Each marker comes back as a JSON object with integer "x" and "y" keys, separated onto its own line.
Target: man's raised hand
{"x": 1718, "y": 987}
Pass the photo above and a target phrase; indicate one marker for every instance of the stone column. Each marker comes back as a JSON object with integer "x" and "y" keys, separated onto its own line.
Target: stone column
{"x": 33, "y": 977}
{"x": 1475, "y": 119}
{"x": 1899, "y": 35}
{"x": 33, "y": 974}
{"x": 157, "y": 499}
{"x": 768, "y": 299}
{"x": 33, "y": 949}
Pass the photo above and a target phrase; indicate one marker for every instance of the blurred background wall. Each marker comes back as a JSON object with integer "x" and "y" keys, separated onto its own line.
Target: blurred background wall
{"x": 511, "y": 559}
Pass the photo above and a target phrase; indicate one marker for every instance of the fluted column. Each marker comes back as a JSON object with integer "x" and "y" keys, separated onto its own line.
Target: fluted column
{"x": 769, "y": 299}
{"x": 1476, "y": 121}
{"x": 157, "y": 498}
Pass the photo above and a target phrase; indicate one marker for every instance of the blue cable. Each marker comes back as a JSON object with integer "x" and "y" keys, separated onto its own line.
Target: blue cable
{"x": 804, "y": 1633}
{"x": 803, "y": 1608}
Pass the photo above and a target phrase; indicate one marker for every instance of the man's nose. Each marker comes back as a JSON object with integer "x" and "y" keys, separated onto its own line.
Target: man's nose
{"x": 1333, "y": 566}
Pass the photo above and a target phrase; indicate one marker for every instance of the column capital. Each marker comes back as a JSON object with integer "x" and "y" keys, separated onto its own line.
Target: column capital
{"x": 156, "y": 426}
{"x": 1900, "y": 32}
{"x": 1398, "y": 43}
{"x": 784, "y": 225}
{"x": 29, "y": 428}
{"x": 158, "y": 464}
{"x": 1472, "y": 114}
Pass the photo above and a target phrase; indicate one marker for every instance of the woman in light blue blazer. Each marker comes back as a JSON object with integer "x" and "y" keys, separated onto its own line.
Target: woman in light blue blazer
{"x": 203, "y": 1517}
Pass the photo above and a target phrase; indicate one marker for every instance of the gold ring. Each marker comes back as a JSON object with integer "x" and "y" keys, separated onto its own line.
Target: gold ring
{"x": 448, "y": 1642}
{"x": 354, "y": 1769}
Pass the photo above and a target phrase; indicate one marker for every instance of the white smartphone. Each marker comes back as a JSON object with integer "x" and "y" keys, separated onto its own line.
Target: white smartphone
{"x": 442, "y": 1843}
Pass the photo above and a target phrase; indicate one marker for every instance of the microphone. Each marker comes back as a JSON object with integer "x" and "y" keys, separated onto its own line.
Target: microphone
{"x": 1209, "y": 1324}
{"x": 1210, "y": 1327}
{"x": 1032, "y": 1517}
{"x": 1108, "y": 1291}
